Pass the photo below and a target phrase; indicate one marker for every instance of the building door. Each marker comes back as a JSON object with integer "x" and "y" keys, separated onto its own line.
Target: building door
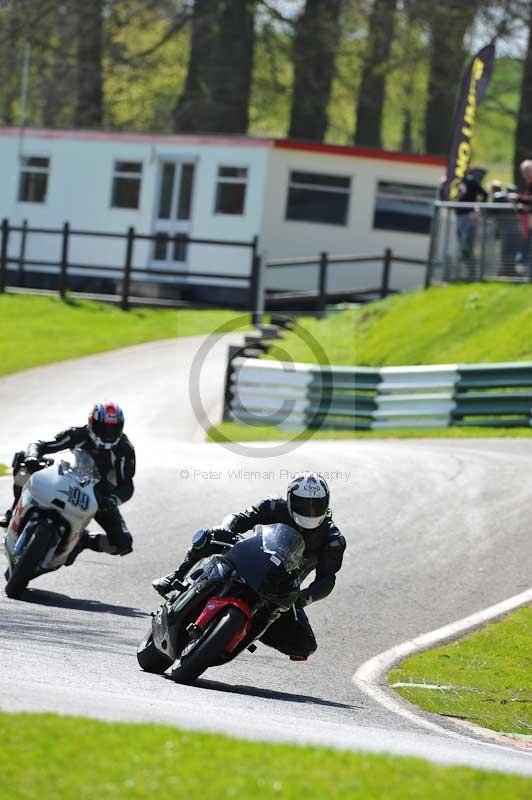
{"x": 172, "y": 215}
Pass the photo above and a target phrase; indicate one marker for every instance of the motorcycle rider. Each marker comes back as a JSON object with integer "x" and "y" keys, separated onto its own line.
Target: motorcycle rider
{"x": 114, "y": 456}
{"x": 306, "y": 509}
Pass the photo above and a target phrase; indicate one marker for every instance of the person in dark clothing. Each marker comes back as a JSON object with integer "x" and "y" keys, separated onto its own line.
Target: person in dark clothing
{"x": 524, "y": 197}
{"x": 470, "y": 190}
{"x": 114, "y": 456}
{"x": 306, "y": 509}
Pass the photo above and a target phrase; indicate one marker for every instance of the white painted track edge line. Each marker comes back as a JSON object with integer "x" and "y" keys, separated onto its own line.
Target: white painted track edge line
{"x": 369, "y": 676}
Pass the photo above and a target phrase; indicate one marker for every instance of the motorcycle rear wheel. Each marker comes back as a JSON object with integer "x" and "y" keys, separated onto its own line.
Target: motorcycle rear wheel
{"x": 26, "y": 566}
{"x": 149, "y": 658}
{"x": 210, "y": 647}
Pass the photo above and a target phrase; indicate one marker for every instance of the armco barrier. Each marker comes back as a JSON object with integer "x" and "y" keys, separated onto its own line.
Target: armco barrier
{"x": 484, "y": 395}
{"x": 365, "y": 398}
{"x": 291, "y": 395}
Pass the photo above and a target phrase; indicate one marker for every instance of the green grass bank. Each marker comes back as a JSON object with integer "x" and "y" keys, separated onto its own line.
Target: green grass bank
{"x": 36, "y": 330}
{"x": 61, "y": 758}
{"x": 463, "y": 323}
{"x": 467, "y": 323}
{"x": 484, "y": 678}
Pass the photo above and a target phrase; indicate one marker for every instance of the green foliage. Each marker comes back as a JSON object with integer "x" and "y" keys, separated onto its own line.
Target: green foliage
{"x": 41, "y": 330}
{"x": 484, "y": 678}
{"x": 81, "y": 759}
{"x": 466, "y": 323}
{"x": 335, "y": 336}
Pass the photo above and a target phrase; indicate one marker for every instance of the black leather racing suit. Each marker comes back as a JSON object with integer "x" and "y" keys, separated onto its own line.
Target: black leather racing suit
{"x": 116, "y": 467}
{"x": 324, "y": 549}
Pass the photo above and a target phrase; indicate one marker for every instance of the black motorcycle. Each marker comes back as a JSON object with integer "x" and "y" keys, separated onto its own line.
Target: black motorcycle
{"x": 228, "y": 601}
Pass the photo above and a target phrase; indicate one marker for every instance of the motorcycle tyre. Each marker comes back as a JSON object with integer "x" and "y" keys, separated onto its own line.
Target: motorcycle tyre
{"x": 210, "y": 647}
{"x": 150, "y": 659}
{"x": 28, "y": 562}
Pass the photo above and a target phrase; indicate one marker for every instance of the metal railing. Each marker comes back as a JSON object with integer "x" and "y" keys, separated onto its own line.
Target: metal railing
{"x": 478, "y": 242}
{"x": 123, "y": 275}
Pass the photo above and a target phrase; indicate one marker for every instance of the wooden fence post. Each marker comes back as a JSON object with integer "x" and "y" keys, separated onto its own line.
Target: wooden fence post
{"x": 322, "y": 297}
{"x": 386, "y": 268}
{"x": 3, "y": 254}
{"x": 127, "y": 268}
{"x": 64, "y": 262}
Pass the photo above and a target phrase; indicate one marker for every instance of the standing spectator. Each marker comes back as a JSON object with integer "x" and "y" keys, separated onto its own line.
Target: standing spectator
{"x": 523, "y": 256}
{"x": 506, "y": 229}
{"x": 470, "y": 190}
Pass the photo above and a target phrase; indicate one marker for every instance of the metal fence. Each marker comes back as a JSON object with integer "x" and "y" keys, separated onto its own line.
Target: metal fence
{"x": 440, "y": 396}
{"x": 479, "y": 241}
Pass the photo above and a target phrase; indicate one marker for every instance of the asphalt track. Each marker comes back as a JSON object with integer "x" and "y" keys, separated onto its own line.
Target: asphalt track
{"x": 436, "y": 530}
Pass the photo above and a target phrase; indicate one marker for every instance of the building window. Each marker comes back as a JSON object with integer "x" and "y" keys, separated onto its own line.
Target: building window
{"x": 403, "y": 207}
{"x": 313, "y": 197}
{"x": 231, "y": 190}
{"x": 33, "y": 179}
{"x": 170, "y": 248}
{"x": 126, "y": 184}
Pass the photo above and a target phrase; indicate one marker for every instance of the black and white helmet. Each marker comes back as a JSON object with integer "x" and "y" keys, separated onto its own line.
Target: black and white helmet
{"x": 308, "y": 500}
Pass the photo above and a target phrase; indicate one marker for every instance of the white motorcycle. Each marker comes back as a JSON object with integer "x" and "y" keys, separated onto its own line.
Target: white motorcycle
{"x": 56, "y": 505}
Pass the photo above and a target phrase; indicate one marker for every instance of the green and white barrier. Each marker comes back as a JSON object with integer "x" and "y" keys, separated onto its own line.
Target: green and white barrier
{"x": 485, "y": 395}
{"x": 292, "y": 396}
{"x": 297, "y": 396}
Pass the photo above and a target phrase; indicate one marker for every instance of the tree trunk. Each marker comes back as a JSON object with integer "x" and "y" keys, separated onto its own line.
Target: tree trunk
{"x": 523, "y": 133}
{"x": 89, "y": 108}
{"x": 217, "y": 91}
{"x": 58, "y": 80}
{"x": 314, "y": 55}
{"x": 449, "y": 24}
{"x": 373, "y": 85}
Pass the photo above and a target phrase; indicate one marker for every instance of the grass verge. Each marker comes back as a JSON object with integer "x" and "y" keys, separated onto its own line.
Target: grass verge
{"x": 484, "y": 678}
{"x": 80, "y": 759}
{"x": 4, "y": 470}
{"x": 463, "y": 323}
{"x": 236, "y": 432}
{"x": 36, "y": 330}
{"x": 466, "y": 323}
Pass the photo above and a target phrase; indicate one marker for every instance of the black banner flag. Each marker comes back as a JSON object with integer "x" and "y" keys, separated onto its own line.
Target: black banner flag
{"x": 474, "y": 85}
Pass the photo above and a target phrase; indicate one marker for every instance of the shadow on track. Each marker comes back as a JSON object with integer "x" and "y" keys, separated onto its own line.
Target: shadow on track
{"x": 57, "y": 600}
{"x": 269, "y": 694}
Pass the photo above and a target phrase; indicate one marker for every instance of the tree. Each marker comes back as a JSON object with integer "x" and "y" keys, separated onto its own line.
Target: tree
{"x": 89, "y": 106}
{"x": 523, "y": 134}
{"x": 449, "y": 23}
{"x": 218, "y": 85}
{"x": 317, "y": 34}
{"x": 373, "y": 85}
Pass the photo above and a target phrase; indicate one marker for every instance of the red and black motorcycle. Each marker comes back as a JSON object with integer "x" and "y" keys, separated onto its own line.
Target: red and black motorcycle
{"x": 228, "y": 602}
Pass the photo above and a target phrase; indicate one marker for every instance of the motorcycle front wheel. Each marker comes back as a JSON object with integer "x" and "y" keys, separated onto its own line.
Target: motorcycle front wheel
{"x": 28, "y": 562}
{"x": 210, "y": 646}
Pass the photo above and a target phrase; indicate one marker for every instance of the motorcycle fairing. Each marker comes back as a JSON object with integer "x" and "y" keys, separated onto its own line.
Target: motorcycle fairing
{"x": 216, "y": 604}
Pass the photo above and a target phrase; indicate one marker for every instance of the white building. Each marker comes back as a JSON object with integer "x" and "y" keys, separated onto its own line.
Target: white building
{"x": 299, "y": 199}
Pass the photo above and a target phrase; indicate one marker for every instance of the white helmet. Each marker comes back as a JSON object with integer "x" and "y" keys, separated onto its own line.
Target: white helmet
{"x": 308, "y": 500}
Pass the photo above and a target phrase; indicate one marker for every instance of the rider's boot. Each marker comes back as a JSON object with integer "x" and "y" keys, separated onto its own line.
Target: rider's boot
{"x": 87, "y": 541}
{"x": 172, "y": 582}
{"x": 5, "y": 518}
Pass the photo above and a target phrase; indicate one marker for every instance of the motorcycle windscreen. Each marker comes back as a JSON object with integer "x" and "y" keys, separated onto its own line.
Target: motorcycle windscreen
{"x": 263, "y": 572}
